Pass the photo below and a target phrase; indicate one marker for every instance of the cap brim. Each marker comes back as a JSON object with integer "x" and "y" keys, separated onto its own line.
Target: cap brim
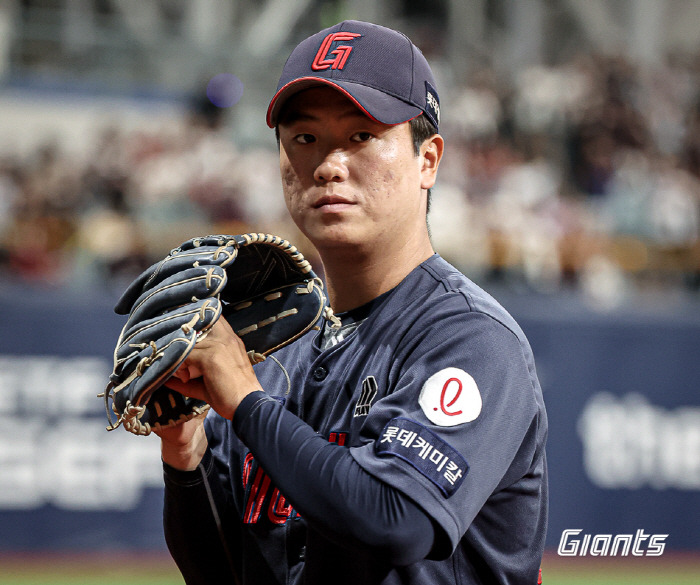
{"x": 376, "y": 104}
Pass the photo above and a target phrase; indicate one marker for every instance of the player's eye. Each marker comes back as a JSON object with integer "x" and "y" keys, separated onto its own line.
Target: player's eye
{"x": 305, "y": 138}
{"x": 361, "y": 136}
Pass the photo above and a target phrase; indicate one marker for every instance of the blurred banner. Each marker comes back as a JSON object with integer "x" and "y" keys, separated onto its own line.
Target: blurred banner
{"x": 621, "y": 394}
{"x": 65, "y": 482}
{"x": 624, "y": 422}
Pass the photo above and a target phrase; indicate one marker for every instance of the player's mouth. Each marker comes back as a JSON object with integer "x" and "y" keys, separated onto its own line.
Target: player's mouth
{"x": 332, "y": 203}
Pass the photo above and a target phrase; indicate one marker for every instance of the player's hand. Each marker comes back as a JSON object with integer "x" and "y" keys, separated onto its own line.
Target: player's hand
{"x": 217, "y": 371}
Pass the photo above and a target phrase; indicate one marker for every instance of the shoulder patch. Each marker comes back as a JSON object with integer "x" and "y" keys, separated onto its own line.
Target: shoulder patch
{"x": 425, "y": 451}
{"x": 450, "y": 397}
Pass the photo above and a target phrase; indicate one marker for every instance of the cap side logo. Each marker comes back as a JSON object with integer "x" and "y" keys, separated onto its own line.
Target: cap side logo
{"x": 432, "y": 103}
{"x": 341, "y": 52}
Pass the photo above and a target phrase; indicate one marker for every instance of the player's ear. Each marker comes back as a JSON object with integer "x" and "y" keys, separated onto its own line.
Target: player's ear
{"x": 430, "y": 155}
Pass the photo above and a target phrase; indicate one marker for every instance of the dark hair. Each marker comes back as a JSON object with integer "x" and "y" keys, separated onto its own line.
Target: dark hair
{"x": 421, "y": 129}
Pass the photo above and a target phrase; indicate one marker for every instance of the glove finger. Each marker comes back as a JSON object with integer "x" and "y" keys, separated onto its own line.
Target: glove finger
{"x": 150, "y": 353}
{"x": 200, "y": 316}
{"x": 135, "y": 289}
{"x": 177, "y": 261}
{"x": 142, "y": 373}
{"x": 180, "y": 289}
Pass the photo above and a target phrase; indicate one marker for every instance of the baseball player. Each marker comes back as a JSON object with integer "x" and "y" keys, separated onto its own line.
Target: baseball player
{"x": 404, "y": 444}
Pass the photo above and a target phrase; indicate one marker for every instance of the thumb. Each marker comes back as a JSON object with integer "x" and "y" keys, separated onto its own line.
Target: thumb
{"x": 187, "y": 371}
{"x": 193, "y": 388}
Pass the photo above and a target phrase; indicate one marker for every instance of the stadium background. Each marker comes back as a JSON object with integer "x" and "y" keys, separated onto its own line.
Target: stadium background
{"x": 570, "y": 190}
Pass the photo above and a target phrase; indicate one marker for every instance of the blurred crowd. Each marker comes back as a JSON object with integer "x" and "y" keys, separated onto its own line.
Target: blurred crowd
{"x": 585, "y": 175}
{"x": 581, "y": 176}
{"x": 101, "y": 220}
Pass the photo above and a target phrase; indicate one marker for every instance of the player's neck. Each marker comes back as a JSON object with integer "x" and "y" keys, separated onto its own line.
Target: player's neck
{"x": 355, "y": 277}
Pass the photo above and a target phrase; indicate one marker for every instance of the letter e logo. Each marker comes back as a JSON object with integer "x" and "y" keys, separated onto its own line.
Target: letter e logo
{"x": 450, "y": 397}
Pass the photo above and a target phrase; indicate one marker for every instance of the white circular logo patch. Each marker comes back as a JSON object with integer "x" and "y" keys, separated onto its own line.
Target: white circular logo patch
{"x": 450, "y": 397}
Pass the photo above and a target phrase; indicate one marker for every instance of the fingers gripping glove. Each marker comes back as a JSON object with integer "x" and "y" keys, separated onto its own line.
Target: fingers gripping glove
{"x": 261, "y": 284}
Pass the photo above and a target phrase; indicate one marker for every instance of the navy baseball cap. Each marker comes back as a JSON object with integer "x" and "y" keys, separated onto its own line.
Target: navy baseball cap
{"x": 377, "y": 68}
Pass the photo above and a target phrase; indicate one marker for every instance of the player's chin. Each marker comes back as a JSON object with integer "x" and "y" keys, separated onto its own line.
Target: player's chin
{"x": 334, "y": 234}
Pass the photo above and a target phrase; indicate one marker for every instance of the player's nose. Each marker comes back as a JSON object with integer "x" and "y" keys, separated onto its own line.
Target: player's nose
{"x": 333, "y": 168}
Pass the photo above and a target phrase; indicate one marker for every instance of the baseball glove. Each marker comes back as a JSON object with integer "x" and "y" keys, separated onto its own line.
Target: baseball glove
{"x": 260, "y": 283}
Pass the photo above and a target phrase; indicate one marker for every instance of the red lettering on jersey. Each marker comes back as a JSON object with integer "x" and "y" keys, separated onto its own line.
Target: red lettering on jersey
{"x": 247, "y": 466}
{"x": 256, "y": 497}
{"x": 341, "y": 52}
{"x": 442, "y": 397}
{"x": 279, "y": 510}
{"x": 259, "y": 498}
{"x": 337, "y": 438}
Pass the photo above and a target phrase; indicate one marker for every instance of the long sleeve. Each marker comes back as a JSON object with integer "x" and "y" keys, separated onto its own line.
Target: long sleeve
{"x": 199, "y": 524}
{"x": 329, "y": 489}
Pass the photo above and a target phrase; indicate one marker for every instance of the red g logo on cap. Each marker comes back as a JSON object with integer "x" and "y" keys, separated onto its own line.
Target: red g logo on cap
{"x": 341, "y": 52}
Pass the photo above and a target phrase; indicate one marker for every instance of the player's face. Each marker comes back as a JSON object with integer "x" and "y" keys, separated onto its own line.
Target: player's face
{"x": 347, "y": 179}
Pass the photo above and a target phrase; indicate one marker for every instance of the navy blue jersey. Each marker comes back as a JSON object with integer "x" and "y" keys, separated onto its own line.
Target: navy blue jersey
{"x": 435, "y": 394}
